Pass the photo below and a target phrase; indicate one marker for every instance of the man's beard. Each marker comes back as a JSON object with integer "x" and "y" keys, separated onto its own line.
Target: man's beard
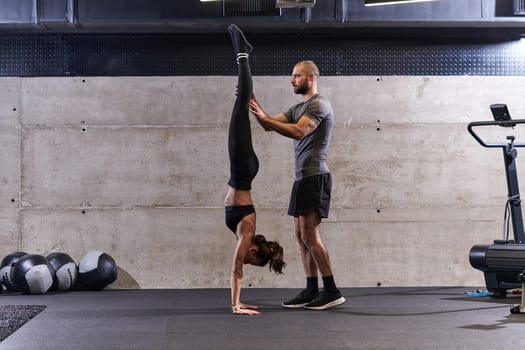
{"x": 301, "y": 89}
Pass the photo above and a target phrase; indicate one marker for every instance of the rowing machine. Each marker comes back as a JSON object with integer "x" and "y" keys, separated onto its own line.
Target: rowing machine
{"x": 503, "y": 261}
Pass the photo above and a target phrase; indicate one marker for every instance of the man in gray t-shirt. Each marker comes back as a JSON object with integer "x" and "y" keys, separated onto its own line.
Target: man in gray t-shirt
{"x": 310, "y": 151}
{"x": 309, "y": 124}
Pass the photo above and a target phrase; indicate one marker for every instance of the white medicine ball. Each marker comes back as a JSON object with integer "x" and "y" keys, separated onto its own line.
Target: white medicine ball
{"x": 6, "y": 267}
{"x": 96, "y": 270}
{"x": 65, "y": 270}
{"x": 32, "y": 274}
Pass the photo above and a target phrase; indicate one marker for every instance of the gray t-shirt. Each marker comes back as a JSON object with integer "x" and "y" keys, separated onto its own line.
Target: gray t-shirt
{"x": 310, "y": 152}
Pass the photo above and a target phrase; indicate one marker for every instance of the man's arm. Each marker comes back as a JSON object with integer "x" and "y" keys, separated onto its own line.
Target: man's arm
{"x": 280, "y": 124}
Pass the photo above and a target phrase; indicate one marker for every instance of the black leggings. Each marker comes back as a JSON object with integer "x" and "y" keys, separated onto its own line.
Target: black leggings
{"x": 243, "y": 160}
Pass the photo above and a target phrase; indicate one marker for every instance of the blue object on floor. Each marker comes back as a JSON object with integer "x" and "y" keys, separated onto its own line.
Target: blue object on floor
{"x": 477, "y": 293}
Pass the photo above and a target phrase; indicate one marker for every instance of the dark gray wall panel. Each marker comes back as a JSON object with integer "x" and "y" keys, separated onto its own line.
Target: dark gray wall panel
{"x": 169, "y": 54}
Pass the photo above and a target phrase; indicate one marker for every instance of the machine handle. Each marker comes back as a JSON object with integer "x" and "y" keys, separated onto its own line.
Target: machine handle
{"x": 503, "y": 123}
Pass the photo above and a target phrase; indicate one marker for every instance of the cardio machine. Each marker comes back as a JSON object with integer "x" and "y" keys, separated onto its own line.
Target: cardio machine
{"x": 503, "y": 261}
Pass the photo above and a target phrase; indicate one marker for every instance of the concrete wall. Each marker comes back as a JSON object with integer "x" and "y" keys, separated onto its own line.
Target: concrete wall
{"x": 137, "y": 167}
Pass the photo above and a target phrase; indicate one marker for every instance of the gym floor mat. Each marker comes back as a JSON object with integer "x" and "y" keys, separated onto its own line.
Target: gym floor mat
{"x": 13, "y": 317}
{"x": 392, "y": 318}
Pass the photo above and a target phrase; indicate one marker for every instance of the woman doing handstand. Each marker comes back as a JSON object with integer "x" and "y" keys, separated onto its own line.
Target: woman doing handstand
{"x": 240, "y": 213}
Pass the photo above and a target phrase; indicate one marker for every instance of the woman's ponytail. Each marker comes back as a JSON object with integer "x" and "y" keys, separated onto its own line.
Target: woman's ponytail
{"x": 270, "y": 252}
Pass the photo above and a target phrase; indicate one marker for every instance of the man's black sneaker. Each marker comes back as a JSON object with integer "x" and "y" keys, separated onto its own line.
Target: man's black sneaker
{"x": 302, "y": 299}
{"x": 326, "y": 300}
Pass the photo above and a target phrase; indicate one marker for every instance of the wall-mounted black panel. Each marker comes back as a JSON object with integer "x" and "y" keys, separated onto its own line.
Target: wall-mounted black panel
{"x": 210, "y": 54}
{"x": 54, "y": 10}
{"x": 326, "y": 10}
{"x": 504, "y": 8}
{"x": 451, "y": 10}
{"x": 137, "y": 11}
{"x": 21, "y": 11}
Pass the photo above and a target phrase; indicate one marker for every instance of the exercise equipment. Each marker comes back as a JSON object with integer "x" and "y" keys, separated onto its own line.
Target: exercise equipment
{"x": 96, "y": 270}
{"x": 65, "y": 270}
{"x": 503, "y": 261}
{"x": 32, "y": 274}
{"x": 520, "y": 309}
{"x": 6, "y": 268}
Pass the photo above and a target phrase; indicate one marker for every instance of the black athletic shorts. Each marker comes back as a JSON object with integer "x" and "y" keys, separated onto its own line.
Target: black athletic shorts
{"x": 311, "y": 193}
{"x": 235, "y": 213}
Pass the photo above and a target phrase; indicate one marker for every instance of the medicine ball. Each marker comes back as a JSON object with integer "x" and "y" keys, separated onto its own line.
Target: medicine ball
{"x": 96, "y": 270}
{"x": 65, "y": 270}
{"x": 32, "y": 274}
{"x": 6, "y": 268}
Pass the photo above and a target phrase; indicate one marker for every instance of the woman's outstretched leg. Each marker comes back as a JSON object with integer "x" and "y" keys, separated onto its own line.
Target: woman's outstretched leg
{"x": 243, "y": 160}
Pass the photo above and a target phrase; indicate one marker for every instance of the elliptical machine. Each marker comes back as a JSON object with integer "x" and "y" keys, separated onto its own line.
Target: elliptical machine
{"x": 503, "y": 262}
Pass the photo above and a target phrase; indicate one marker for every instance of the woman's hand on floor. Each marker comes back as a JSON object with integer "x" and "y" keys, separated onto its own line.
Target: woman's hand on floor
{"x": 245, "y": 309}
